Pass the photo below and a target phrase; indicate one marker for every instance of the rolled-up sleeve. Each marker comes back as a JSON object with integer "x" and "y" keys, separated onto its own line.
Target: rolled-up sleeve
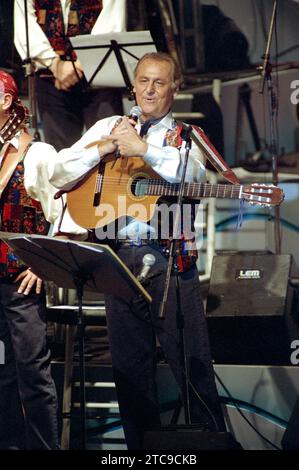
{"x": 40, "y": 47}
{"x": 36, "y": 178}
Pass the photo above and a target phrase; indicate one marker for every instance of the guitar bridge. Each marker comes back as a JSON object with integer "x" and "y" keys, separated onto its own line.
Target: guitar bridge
{"x": 96, "y": 199}
{"x": 98, "y": 185}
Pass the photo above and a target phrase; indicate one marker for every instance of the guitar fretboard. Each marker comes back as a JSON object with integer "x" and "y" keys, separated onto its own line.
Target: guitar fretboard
{"x": 192, "y": 190}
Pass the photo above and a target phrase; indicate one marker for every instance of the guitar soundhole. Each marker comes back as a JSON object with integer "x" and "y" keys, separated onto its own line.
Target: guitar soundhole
{"x": 139, "y": 186}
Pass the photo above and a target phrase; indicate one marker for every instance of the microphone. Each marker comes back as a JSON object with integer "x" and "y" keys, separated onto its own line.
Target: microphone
{"x": 135, "y": 112}
{"x": 148, "y": 261}
{"x": 186, "y": 132}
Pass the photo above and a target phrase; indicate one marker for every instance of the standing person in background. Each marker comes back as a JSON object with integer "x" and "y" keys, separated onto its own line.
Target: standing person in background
{"x": 28, "y": 401}
{"x": 64, "y": 106}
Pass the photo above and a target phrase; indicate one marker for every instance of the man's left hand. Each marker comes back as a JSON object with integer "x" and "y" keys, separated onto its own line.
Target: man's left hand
{"x": 28, "y": 280}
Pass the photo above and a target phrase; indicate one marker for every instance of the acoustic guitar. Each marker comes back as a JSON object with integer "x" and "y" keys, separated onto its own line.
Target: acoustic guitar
{"x": 129, "y": 187}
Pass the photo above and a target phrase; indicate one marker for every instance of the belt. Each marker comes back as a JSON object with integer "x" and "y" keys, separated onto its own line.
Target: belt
{"x": 184, "y": 261}
{"x": 142, "y": 242}
{"x": 45, "y": 73}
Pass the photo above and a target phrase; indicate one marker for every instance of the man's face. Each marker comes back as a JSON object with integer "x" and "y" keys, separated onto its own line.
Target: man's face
{"x": 154, "y": 88}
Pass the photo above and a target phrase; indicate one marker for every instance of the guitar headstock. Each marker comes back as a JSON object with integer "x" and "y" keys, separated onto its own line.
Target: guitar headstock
{"x": 17, "y": 118}
{"x": 262, "y": 194}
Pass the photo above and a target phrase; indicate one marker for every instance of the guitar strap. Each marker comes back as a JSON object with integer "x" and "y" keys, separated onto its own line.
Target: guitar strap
{"x": 11, "y": 159}
{"x": 202, "y": 141}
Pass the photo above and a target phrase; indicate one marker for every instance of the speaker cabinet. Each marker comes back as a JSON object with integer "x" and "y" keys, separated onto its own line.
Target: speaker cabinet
{"x": 251, "y": 309}
{"x": 187, "y": 438}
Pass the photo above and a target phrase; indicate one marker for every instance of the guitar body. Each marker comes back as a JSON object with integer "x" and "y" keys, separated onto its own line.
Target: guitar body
{"x": 107, "y": 193}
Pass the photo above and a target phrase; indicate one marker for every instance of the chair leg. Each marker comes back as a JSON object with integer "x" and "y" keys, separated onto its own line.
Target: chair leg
{"x": 67, "y": 385}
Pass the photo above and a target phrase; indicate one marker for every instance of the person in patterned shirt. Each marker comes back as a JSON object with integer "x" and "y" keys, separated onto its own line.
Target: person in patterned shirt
{"x": 28, "y": 405}
{"x": 66, "y": 105}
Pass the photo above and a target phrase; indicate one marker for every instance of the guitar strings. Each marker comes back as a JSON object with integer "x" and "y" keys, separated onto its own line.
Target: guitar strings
{"x": 113, "y": 180}
{"x": 260, "y": 189}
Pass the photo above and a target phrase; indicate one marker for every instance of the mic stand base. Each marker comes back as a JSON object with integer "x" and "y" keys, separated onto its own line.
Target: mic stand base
{"x": 182, "y": 342}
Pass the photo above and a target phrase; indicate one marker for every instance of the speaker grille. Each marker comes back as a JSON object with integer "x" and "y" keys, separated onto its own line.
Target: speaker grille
{"x": 251, "y": 310}
{"x": 249, "y": 285}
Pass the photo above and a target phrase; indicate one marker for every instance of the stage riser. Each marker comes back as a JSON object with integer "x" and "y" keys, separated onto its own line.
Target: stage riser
{"x": 266, "y": 395}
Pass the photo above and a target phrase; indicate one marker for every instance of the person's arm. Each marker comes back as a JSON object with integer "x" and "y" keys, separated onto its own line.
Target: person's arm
{"x": 40, "y": 49}
{"x": 112, "y": 18}
{"x": 168, "y": 163}
{"x": 36, "y": 180}
{"x": 37, "y": 186}
{"x": 70, "y": 165}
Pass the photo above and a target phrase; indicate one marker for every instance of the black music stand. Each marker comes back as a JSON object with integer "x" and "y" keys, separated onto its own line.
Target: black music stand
{"x": 77, "y": 265}
{"x": 109, "y": 59}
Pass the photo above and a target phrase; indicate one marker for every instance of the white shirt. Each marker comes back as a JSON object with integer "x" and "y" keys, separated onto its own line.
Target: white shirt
{"x": 38, "y": 186}
{"x": 111, "y": 19}
{"x": 69, "y": 166}
{"x": 36, "y": 178}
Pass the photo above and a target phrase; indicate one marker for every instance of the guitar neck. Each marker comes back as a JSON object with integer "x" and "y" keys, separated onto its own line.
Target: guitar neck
{"x": 192, "y": 190}
{"x": 17, "y": 119}
{"x": 2, "y": 140}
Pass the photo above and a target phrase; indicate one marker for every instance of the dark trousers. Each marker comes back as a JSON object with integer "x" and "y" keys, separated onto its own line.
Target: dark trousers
{"x": 132, "y": 328}
{"x": 65, "y": 113}
{"x": 28, "y": 402}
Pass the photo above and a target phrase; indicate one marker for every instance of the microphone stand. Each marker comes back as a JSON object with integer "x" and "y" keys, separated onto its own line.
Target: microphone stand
{"x": 29, "y": 73}
{"x": 266, "y": 71}
{"x": 185, "y": 135}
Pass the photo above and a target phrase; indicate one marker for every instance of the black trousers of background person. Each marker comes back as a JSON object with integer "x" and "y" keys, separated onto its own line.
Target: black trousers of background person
{"x": 132, "y": 343}
{"x": 65, "y": 113}
{"x": 28, "y": 401}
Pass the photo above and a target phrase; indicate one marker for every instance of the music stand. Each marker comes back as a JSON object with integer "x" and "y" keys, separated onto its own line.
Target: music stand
{"x": 77, "y": 265}
{"x": 116, "y": 55}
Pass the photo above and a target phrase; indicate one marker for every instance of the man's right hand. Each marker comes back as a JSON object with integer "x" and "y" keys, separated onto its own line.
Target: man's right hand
{"x": 106, "y": 146}
{"x": 64, "y": 73}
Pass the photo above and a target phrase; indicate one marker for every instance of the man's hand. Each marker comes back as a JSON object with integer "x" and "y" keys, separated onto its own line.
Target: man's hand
{"x": 127, "y": 140}
{"x": 64, "y": 73}
{"x": 28, "y": 279}
{"x": 106, "y": 146}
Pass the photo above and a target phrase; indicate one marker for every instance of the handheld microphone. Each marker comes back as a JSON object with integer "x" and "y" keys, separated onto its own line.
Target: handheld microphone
{"x": 148, "y": 261}
{"x": 135, "y": 112}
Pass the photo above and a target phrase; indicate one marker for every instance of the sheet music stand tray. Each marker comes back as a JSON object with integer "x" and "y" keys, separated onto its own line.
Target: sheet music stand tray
{"x": 77, "y": 265}
{"x": 117, "y": 56}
